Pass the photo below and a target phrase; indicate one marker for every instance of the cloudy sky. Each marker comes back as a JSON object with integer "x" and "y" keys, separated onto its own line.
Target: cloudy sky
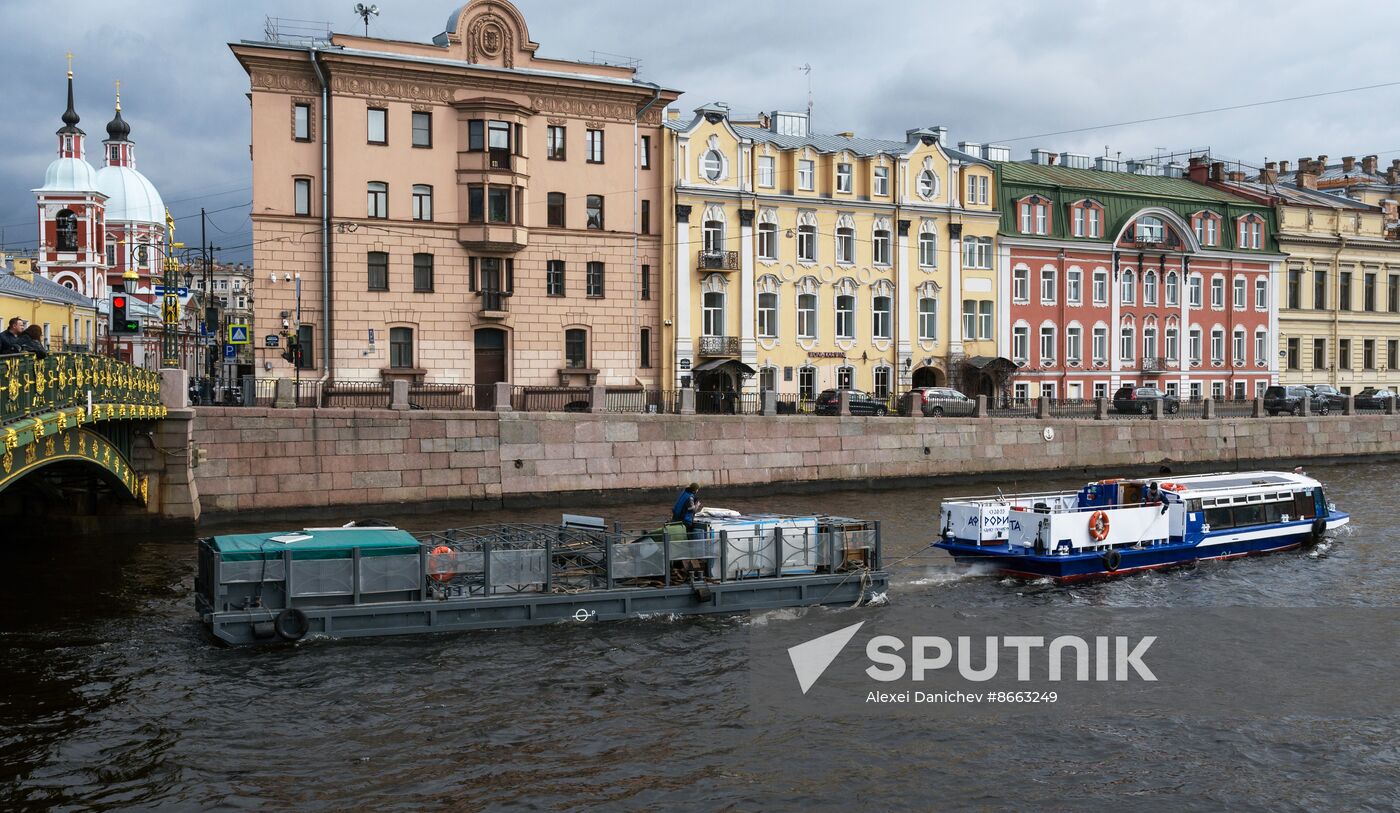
{"x": 994, "y": 70}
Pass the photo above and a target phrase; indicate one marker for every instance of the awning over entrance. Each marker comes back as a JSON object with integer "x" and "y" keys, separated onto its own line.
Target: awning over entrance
{"x": 715, "y": 364}
{"x": 990, "y": 363}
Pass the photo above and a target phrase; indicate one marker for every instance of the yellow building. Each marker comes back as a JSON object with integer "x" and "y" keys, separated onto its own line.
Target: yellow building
{"x": 800, "y": 262}
{"x": 1339, "y": 312}
{"x": 68, "y": 318}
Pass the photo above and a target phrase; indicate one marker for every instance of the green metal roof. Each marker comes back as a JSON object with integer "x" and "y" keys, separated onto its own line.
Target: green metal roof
{"x": 1154, "y": 185}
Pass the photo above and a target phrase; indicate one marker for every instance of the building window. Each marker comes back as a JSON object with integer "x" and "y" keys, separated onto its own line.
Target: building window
{"x": 1100, "y": 348}
{"x": 928, "y": 249}
{"x": 843, "y": 177}
{"x": 112, "y": 263}
{"x": 1079, "y": 221}
{"x": 712, "y": 310}
{"x": 1237, "y": 345}
{"x": 882, "y": 383}
{"x": 977, "y": 252}
{"x": 977, "y": 186}
{"x": 806, "y": 171}
{"x": 1047, "y": 286}
{"x": 1261, "y": 346}
{"x": 1392, "y": 353}
{"x": 765, "y": 171}
{"x": 881, "y": 181}
{"x": 645, "y": 294}
{"x": 1320, "y": 290}
{"x": 768, "y": 315}
{"x": 1074, "y": 344}
{"x": 378, "y": 270}
{"x": 807, "y": 243}
{"x": 1294, "y": 355}
{"x": 1149, "y": 288}
{"x": 423, "y": 272}
{"x": 378, "y": 125}
{"x": 1369, "y": 302}
{"x": 845, "y": 316}
{"x": 1319, "y": 354}
{"x": 476, "y": 135}
{"x": 1217, "y": 344}
{"x": 1261, "y": 294}
{"x": 984, "y": 320}
{"x": 881, "y": 316}
{"x": 806, "y": 316}
{"x": 1193, "y": 345}
{"x": 422, "y": 129}
{"x": 1392, "y": 292}
{"x": 845, "y": 245}
{"x": 476, "y": 203}
{"x": 646, "y": 217}
{"x": 554, "y": 210}
{"x": 554, "y": 149}
{"x": 1021, "y": 285}
{"x": 1127, "y": 343}
{"x": 1047, "y": 343}
{"x": 1344, "y": 354}
{"x": 401, "y": 348}
{"x": 712, "y": 165}
{"x": 1295, "y": 288}
{"x": 928, "y": 184}
{"x": 498, "y": 200}
{"x": 1020, "y": 343}
{"x": 1074, "y": 286}
{"x": 554, "y": 278}
{"x": 768, "y": 241}
{"x": 969, "y": 325}
{"x": 1100, "y": 287}
{"x": 806, "y": 383}
{"x": 422, "y": 202}
{"x": 1344, "y": 291}
{"x": 712, "y": 236}
{"x": 378, "y": 204}
{"x": 880, "y": 247}
{"x": 1128, "y": 284}
{"x": 594, "y": 280}
{"x": 301, "y": 122}
{"x": 928, "y": 319}
{"x": 1194, "y": 291}
{"x": 1169, "y": 343}
{"x": 593, "y": 146}
{"x": 593, "y": 207}
{"x": 1251, "y": 230}
{"x": 301, "y": 197}
{"x": 498, "y": 144}
{"x": 1238, "y": 294}
{"x": 645, "y": 158}
{"x": 576, "y": 348}
{"x": 1149, "y": 229}
{"x": 644, "y": 348}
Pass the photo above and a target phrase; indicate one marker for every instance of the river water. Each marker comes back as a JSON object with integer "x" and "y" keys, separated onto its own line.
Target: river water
{"x": 113, "y": 699}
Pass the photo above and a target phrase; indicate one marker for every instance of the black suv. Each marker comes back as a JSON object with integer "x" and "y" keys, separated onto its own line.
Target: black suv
{"x": 1139, "y": 400}
{"x": 1290, "y": 399}
{"x": 1335, "y": 398}
{"x": 829, "y": 403}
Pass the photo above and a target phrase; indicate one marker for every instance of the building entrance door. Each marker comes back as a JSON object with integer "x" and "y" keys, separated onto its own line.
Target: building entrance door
{"x": 490, "y": 365}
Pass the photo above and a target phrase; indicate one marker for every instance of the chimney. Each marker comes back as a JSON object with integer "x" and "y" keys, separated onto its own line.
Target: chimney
{"x": 1307, "y": 173}
{"x": 1348, "y": 163}
{"x": 1236, "y": 177}
{"x": 1391, "y": 209}
{"x": 23, "y": 269}
{"x": 1197, "y": 171}
{"x": 1042, "y": 157}
{"x": 672, "y": 114}
{"x": 1217, "y": 171}
{"x": 1269, "y": 174}
{"x": 1283, "y": 166}
{"x": 939, "y": 132}
{"x": 1368, "y": 165}
{"x": 1321, "y": 163}
{"x": 1106, "y": 164}
{"x": 1392, "y": 175}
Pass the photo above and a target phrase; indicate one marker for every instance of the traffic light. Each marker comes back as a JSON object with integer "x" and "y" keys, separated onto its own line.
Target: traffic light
{"x": 292, "y": 355}
{"x": 121, "y": 322}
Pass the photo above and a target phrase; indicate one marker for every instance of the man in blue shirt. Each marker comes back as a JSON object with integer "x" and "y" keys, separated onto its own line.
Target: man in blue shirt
{"x": 687, "y": 503}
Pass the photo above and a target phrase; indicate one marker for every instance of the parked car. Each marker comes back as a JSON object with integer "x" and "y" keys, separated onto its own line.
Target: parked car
{"x": 1290, "y": 399}
{"x": 1139, "y": 400}
{"x": 1373, "y": 398}
{"x": 936, "y": 402}
{"x": 862, "y": 403}
{"x": 1336, "y": 399}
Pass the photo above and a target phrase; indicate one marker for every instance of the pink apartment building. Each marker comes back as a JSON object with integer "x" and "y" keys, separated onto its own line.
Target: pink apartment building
{"x": 455, "y": 211}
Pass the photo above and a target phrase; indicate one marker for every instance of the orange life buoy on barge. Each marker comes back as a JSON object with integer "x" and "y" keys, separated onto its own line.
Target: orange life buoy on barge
{"x": 1098, "y": 526}
{"x": 436, "y": 555}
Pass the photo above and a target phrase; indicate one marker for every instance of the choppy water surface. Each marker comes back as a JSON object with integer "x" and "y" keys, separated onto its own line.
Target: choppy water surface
{"x": 113, "y": 699}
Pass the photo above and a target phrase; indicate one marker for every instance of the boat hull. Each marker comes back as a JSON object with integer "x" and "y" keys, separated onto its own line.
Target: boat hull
{"x": 1094, "y": 565}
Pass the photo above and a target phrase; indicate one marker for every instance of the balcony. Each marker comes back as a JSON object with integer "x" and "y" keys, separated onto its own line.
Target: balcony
{"x": 1158, "y": 364}
{"x": 718, "y": 260}
{"x": 493, "y": 304}
{"x": 493, "y": 237}
{"x": 720, "y": 346}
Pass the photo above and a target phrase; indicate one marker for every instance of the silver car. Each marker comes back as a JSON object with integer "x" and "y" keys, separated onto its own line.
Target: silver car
{"x": 936, "y": 402}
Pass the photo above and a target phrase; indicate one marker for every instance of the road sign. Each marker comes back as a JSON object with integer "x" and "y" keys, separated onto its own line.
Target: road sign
{"x": 237, "y": 334}
{"x": 230, "y": 352}
{"x": 271, "y": 340}
{"x": 160, "y": 290}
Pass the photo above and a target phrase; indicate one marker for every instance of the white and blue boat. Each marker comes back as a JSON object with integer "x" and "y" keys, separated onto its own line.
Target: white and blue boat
{"x": 1117, "y": 526}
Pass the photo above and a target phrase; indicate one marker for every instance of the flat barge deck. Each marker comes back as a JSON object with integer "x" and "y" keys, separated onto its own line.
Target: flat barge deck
{"x": 360, "y": 581}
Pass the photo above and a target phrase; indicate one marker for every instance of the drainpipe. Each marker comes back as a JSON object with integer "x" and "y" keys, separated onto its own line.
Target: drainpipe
{"x": 636, "y": 216}
{"x": 1337, "y": 303}
{"x": 326, "y": 330}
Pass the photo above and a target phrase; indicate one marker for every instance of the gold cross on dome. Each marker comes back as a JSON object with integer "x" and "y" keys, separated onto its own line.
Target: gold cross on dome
{"x": 69, "y": 55}
{"x": 119, "y": 94}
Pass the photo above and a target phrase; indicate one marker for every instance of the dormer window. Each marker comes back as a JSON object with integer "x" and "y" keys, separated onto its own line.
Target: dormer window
{"x": 1207, "y": 228}
{"x": 1149, "y": 229}
{"x": 713, "y": 165}
{"x": 1088, "y": 218}
{"x": 1250, "y": 232}
{"x": 928, "y": 184}
{"x": 1035, "y": 215}
{"x": 843, "y": 177}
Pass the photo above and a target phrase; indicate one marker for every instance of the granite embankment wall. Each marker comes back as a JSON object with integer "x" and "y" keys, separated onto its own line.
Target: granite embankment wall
{"x": 255, "y": 459}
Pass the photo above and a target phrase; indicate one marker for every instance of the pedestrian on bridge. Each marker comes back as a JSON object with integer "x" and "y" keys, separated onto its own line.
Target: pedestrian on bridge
{"x": 10, "y": 339}
{"x": 32, "y": 341}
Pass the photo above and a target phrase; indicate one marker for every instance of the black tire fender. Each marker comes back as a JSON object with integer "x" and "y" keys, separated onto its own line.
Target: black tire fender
{"x": 1111, "y": 559}
{"x": 1319, "y": 529}
{"x": 292, "y": 624}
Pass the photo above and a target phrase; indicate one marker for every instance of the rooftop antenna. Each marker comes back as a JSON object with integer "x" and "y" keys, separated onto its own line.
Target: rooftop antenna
{"x": 806, "y": 68}
{"x": 365, "y": 13}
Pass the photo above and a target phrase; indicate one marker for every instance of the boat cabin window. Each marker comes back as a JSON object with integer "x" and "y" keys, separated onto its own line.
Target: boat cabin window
{"x": 1303, "y": 505}
{"x": 1247, "y": 515}
{"x": 1193, "y": 506}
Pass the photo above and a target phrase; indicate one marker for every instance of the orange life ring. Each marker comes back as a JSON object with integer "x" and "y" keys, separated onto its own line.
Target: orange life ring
{"x": 1098, "y": 526}
{"x": 1172, "y": 487}
{"x": 441, "y": 551}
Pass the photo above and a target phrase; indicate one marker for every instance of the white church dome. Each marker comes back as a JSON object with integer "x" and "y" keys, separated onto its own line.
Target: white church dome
{"x": 130, "y": 197}
{"x": 69, "y": 175}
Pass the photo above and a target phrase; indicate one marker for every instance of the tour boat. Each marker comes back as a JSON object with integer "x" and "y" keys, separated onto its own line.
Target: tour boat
{"x": 1111, "y": 527}
{"x": 368, "y": 578}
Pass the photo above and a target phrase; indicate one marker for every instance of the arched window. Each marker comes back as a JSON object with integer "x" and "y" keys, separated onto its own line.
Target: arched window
{"x": 880, "y": 246}
{"x": 1149, "y": 287}
{"x": 1035, "y": 215}
{"x": 1149, "y": 341}
{"x": 1261, "y": 346}
{"x": 1074, "y": 343}
{"x": 713, "y": 232}
{"x": 882, "y": 382}
{"x": 713, "y": 308}
{"x": 928, "y": 319}
{"x": 928, "y": 246}
{"x": 1047, "y": 343}
{"x": 66, "y": 230}
{"x": 846, "y": 377}
{"x": 1021, "y": 343}
{"x": 768, "y": 315}
{"x": 1170, "y": 344}
{"x": 1251, "y": 232}
{"x": 1021, "y": 284}
{"x": 378, "y": 199}
{"x": 767, "y": 235}
{"x": 806, "y": 383}
{"x": 1128, "y": 343}
{"x": 1129, "y": 292}
{"x": 1172, "y": 289}
{"x": 881, "y": 317}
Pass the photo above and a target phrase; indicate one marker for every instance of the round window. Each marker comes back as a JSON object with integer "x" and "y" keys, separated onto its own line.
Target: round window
{"x": 928, "y": 184}
{"x": 714, "y": 165}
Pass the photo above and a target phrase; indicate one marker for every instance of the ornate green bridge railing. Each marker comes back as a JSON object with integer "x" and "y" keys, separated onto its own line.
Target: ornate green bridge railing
{"x": 45, "y": 405}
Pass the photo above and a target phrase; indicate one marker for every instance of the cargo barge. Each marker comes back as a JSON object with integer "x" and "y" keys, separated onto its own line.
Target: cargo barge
{"x": 371, "y": 579}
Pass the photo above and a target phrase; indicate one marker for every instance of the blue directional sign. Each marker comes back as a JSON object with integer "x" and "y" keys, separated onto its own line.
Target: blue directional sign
{"x": 159, "y": 290}
{"x": 230, "y": 352}
{"x": 237, "y": 334}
